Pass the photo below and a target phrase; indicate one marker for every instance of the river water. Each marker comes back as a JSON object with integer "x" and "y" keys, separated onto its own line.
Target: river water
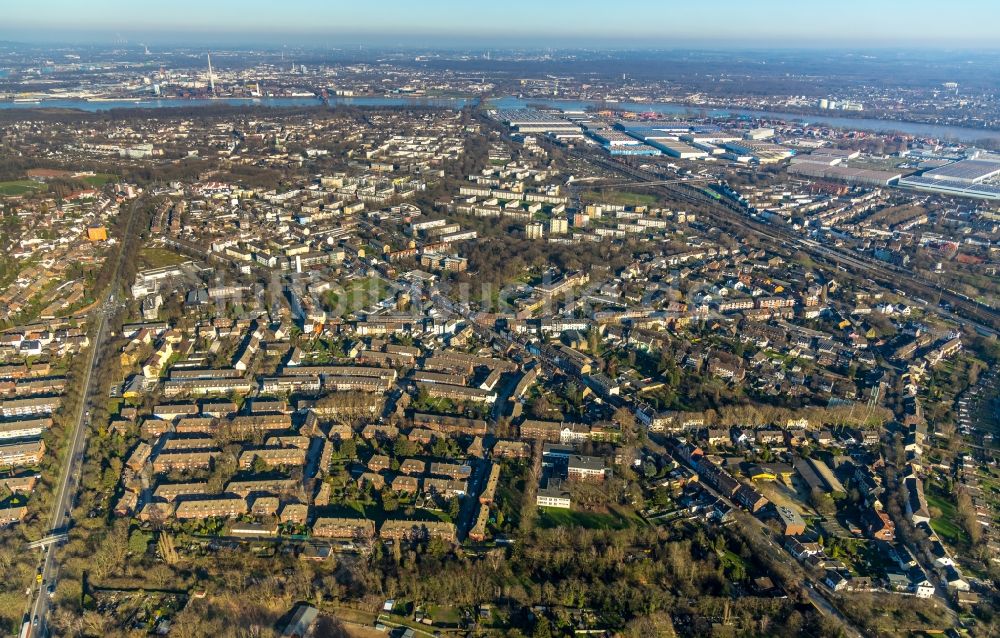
{"x": 957, "y": 133}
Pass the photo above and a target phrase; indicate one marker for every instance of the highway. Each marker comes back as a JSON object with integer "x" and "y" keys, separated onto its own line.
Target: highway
{"x": 68, "y": 484}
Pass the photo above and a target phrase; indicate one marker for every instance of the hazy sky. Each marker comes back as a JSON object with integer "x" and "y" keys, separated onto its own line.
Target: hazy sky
{"x": 584, "y": 23}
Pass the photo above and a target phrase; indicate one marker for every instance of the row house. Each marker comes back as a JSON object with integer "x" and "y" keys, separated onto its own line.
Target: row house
{"x": 166, "y": 462}
{"x": 450, "y": 424}
{"x": 25, "y": 428}
{"x": 257, "y": 487}
{"x": 22, "y": 454}
{"x": 447, "y": 488}
{"x": 221, "y": 507}
{"x": 29, "y": 406}
{"x": 417, "y": 530}
{"x": 170, "y": 492}
{"x": 343, "y": 528}
{"x": 273, "y": 457}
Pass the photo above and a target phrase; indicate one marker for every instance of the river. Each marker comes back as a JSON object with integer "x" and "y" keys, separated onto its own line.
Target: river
{"x": 939, "y": 131}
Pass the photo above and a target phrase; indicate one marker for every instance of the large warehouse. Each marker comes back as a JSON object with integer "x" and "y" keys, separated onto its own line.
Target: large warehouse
{"x": 861, "y": 176}
{"x": 971, "y": 171}
{"x": 975, "y": 178}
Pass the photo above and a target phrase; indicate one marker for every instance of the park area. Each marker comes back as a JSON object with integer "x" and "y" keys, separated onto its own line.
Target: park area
{"x": 355, "y": 295}
{"x": 152, "y": 257}
{"x": 17, "y": 187}
{"x": 551, "y": 517}
{"x": 619, "y": 198}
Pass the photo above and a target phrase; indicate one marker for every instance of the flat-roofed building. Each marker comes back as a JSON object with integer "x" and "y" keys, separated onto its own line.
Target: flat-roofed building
{"x": 971, "y": 171}
{"x": 861, "y": 176}
{"x": 553, "y": 494}
{"x": 791, "y": 521}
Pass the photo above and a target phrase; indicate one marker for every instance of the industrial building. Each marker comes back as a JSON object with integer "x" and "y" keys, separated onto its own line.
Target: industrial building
{"x": 535, "y": 121}
{"x": 975, "y": 178}
{"x": 678, "y": 149}
{"x": 616, "y": 142}
{"x": 860, "y": 176}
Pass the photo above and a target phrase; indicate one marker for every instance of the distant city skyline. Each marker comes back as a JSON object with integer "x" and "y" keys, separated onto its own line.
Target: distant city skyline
{"x": 555, "y": 23}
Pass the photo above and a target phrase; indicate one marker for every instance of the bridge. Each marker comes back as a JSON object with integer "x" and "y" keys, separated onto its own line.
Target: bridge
{"x": 48, "y": 540}
{"x": 602, "y": 184}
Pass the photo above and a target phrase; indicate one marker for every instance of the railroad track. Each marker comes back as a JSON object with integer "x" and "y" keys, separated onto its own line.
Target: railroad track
{"x": 727, "y": 213}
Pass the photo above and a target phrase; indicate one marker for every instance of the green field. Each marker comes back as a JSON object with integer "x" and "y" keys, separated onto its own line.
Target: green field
{"x": 151, "y": 257}
{"x": 356, "y": 294}
{"x": 20, "y": 187}
{"x": 619, "y": 198}
{"x": 946, "y": 526}
{"x": 557, "y": 517}
{"x": 99, "y": 179}
{"x": 445, "y": 615}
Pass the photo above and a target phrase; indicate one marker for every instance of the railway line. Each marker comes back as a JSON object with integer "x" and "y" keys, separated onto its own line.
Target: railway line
{"x": 729, "y": 214}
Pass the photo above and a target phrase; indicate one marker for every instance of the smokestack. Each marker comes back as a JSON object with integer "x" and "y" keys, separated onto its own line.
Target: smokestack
{"x": 211, "y": 78}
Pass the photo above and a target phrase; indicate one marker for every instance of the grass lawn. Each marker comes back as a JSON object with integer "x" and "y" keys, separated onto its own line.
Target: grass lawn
{"x": 619, "y": 198}
{"x": 350, "y": 615}
{"x": 115, "y": 405}
{"x": 20, "y": 187}
{"x": 557, "y": 517}
{"x": 510, "y": 499}
{"x": 445, "y": 615}
{"x": 946, "y": 525}
{"x": 356, "y": 294}
{"x": 152, "y": 257}
{"x": 98, "y": 179}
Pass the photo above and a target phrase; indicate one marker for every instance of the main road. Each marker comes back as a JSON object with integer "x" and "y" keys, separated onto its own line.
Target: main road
{"x": 62, "y": 507}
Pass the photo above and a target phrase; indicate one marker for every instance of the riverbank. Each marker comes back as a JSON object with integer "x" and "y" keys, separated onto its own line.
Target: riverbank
{"x": 874, "y": 125}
